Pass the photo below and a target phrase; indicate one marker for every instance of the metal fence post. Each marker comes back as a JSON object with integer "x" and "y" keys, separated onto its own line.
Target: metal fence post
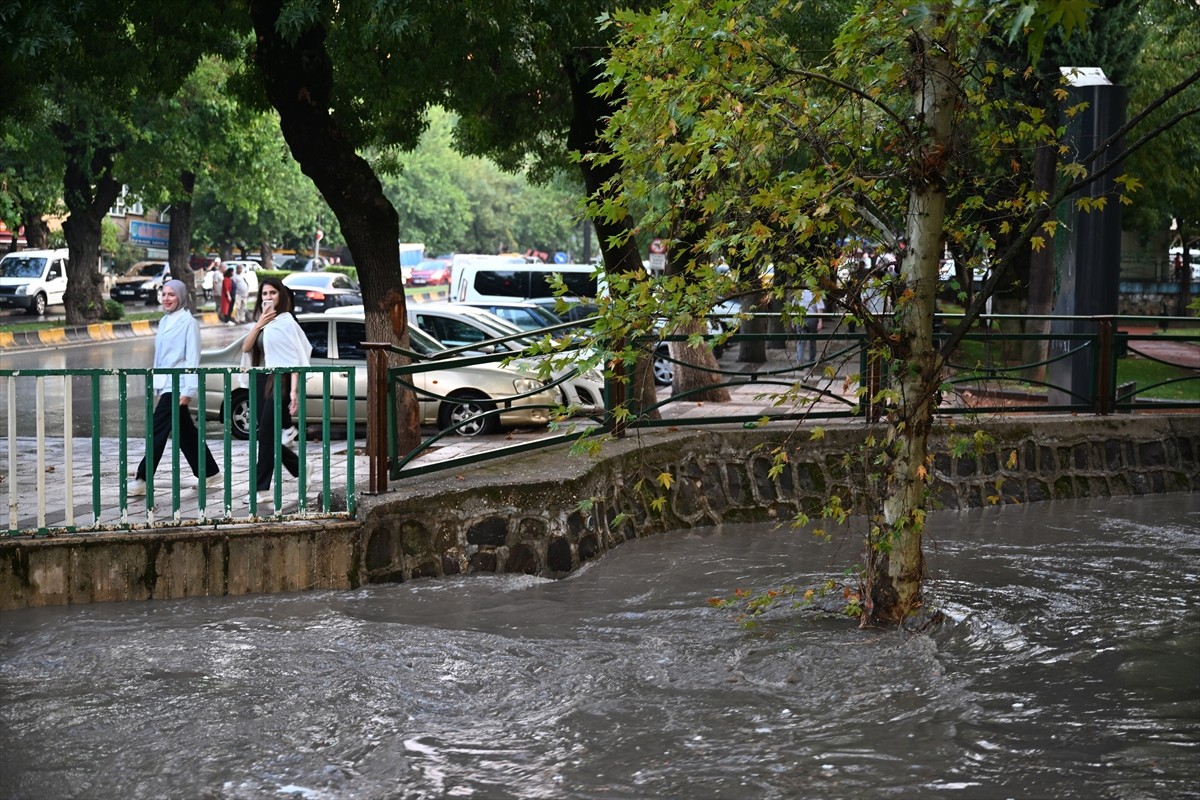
{"x": 1106, "y": 368}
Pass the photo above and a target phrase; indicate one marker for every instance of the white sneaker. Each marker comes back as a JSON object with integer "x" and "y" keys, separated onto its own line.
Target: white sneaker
{"x": 135, "y": 487}
{"x": 264, "y": 499}
{"x": 212, "y": 481}
{"x": 289, "y": 435}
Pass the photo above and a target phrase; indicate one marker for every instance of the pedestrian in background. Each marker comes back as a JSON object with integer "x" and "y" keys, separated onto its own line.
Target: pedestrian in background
{"x": 176, "y": 346}
{"x": 241, "y": 290}
{"x": 806, "y": 349}
{"x": 225, "y": 309}
{"x": 276, "y": 340}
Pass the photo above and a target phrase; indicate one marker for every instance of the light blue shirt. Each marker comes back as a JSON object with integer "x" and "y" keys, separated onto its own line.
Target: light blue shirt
{"x": 177, "y": 345}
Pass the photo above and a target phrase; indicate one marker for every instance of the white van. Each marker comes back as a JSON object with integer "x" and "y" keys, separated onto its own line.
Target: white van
{"x": 495, "y": 280}
{"x": 33, "y": 279}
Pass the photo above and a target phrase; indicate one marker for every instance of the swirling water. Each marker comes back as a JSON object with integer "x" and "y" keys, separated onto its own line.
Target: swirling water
{"x": 1068, "y": 667}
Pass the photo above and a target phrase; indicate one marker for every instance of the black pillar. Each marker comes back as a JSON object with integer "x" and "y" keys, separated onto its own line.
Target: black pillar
{"x": 1087, "y": 243}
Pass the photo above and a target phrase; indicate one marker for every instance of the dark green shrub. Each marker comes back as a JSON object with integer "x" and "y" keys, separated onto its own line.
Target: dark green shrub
{"x": 112, "y": 311}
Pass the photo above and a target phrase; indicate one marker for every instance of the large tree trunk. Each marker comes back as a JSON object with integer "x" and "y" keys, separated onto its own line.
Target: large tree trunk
{"x": 179, "y": 239}
{"x": 37, "y": 231}
{"x": 588, "y": 114}
{"x": 695, "y": 366}
{"x": 298, "y": 79}
{"x": 89, "y": 192}
{"x": 895, "y": 560}
{"x": 267, "y": 253}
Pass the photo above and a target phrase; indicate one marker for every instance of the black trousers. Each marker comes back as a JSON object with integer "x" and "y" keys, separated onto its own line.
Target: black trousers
{"x": 268, "y": 431}
{"x": 189, "y": 439}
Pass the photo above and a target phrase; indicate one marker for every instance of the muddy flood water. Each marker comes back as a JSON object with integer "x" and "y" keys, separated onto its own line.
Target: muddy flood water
{"x": 1068, "y": 667}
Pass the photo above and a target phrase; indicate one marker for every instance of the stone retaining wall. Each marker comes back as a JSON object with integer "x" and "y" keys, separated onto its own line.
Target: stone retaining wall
{"x": 548, "y": 512}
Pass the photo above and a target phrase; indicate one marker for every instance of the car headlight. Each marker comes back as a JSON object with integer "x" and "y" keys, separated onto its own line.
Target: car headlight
{"x": 525, "y": 385}
{"x": 148, "y": 285}
{"x": 23, "y": 289}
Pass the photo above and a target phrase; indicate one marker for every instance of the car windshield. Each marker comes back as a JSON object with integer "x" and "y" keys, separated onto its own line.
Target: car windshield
{"x": 500, "y": 328}
{"x": 18, "y": 267}
{"x": 423, "y": 343}
{"x": 307, "y": 280}
{"x": 151, "y": 270}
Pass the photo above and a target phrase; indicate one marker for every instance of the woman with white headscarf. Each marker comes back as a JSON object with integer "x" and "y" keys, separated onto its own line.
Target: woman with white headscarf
{"x": 176, "y": 346}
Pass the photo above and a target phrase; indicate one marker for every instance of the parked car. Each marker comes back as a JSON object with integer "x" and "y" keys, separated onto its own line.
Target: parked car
{"x": 460, "y": 325}
{"x": 33, "y": 279}
{"x": 446, "y": 397}
{"x": 579, "y": 312}
{"x": 315, "y": 292}
{"x": 526, "y": 316}
{"x": 304, "y": 264}
{"x": 430, "y": 272}
{"x": 143, "y": 282}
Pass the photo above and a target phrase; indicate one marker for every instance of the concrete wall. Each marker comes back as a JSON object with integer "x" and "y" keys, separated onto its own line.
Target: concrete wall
{"x": 548, "y": 512}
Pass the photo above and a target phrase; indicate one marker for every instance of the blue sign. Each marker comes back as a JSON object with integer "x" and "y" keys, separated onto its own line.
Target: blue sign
{"x": 149, "y": 234}
{"x": 560, "y": 257}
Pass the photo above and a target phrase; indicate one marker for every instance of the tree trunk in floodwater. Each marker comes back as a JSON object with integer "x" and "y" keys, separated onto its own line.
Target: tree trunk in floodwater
{"x": 895, "y": 561}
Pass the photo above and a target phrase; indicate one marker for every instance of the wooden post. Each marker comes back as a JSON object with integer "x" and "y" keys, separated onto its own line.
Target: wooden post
{"x": 377, "y": 400}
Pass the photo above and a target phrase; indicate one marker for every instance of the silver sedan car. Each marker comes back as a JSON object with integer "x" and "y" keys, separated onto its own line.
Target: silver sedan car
{"x": 460, "y": 394}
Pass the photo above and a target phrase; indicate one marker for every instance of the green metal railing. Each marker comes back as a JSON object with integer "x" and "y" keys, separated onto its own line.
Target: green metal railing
{"x": 842, "y": 383}
{"x": 107, "y": 505}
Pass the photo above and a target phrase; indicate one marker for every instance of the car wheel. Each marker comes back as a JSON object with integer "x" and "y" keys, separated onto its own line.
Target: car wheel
{"x": 467, "y": 408}
{"x": 239, "y": 402}
{"x": 39, "y": 305}
{"x": 664, "y": 368}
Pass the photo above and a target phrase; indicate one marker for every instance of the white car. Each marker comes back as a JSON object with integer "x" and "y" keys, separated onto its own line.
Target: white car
{"x": 446, "y": 397}
{"x": 33, "y": 279}
{"x": 460, "y": 325}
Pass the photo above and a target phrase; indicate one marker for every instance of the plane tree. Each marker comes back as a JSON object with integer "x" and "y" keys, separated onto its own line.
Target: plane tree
{"x": 253, "y": 196}
{"x": 31, "y": 172}
{"x": 795, "y": 163}
{"x": 1170, "y": 165}
{"x": 80, "y": 70}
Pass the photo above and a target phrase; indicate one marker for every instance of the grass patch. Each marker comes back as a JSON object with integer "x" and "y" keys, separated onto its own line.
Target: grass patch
{"x": 1149, "y": 373}
{"x": 1143, "y": 372}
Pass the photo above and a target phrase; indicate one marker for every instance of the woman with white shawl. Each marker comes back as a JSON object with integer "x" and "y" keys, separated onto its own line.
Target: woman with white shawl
{"x": 276, "y": 340}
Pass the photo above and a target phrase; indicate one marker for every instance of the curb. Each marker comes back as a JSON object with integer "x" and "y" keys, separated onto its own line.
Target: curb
{"x": 96, "y": 332}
